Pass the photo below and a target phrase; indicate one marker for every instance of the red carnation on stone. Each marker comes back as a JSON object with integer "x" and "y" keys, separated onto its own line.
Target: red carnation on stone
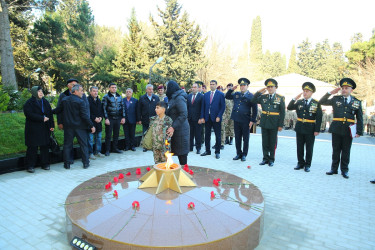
{"x": 135, "y": 205}
{"x": 248, "y": 167}
{"x": 148, "y": 169}
{"x": 216, "y": 182}
{"x": 121, "y": 176}
{"x": 128, "y": 174}
{"x": 218, "y": 179}
{"x": 115, "y": 194}
{"x": 138, "y": 171}
{"x": 212, "y": 194}
{"x": 191, "y": 205}
{"x": 115, "y": 179}
{"x": 191, "y": 172}
{"x": 107, "y": 186}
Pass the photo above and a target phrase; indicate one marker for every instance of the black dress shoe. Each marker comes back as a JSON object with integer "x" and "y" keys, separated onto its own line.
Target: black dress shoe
{"x": 237, "y": 157}
{"x": 47, "y": 167}
{"x": 85, "y": 166}
{"x": 116, "y": 150}
{"x": 126, "y": 149}
{"x": 231, "y": 141}
{"x": 217, "y": 156}
{"x": 222, "y": 147}
{"x": 198, "y": 151}
{"x": 107, "y": 153}
{"x": 243, "y": 158}
{"x": 206, "y": 153}
{"x": 144, "y": 150}
{"x": 331, "y": 172}
{"x": 298, "y": 167}
{"x": 345, "y": 175}
{"x": 226, "y": 140}
{"x": 270, "y": 164}
{"x": 67, "y": 165}
{"x": 31, "y": 170}
{"x": 263, "y": 162}
{"x": 133, "y": 148}
{"x": 373, "y": 181}
{"x": 307, "y": 168}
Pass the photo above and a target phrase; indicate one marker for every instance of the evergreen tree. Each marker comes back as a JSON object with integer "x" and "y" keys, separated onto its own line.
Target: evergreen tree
{"x": 243, "y": 62}
{"x": 273, "y": 65}
{"x": 293, "y": 65}
{"x": 179, "y": 42}
{"x": 306, "y": 61}
{"x": 256, "y": 51}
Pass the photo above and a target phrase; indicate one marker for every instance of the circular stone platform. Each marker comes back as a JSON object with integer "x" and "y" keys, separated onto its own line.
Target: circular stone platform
{"x": 231, "y": 220}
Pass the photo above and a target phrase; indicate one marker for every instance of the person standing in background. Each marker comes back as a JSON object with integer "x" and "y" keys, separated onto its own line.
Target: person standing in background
{"x": 131, "y": 108}
{"x": 96, "y": 116}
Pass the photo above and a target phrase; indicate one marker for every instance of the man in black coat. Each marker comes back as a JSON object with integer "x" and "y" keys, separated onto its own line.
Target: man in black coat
{"x": 346, "y": 108}
{"x": 114, "y": 114}
{"x": 131, "y": 108}
{"x": 244, "y": 114}
{"x": 96, "y": 116}
{"x": 76, "y": 123}
{"x": 194, "y": 106}
{"x": 309, "y": 113}
{"x": 38, "y": 127}
{"x": 146, "y": 108}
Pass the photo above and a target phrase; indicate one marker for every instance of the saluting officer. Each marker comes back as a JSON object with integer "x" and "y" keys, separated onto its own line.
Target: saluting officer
{"x": 272, "y": 119}
{"x": 309, "y": 119}
{"x": 244, "y": 115}
{"x": 345, "y": 109}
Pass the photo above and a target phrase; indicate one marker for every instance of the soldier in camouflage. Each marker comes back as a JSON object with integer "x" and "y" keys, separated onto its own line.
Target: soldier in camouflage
{"x": 227, "y": 130}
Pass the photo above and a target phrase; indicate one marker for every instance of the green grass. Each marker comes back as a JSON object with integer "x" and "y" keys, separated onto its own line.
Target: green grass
{"x": 12, "y": 131}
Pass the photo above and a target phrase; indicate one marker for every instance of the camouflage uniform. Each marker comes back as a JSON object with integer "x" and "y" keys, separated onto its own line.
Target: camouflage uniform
{"x": 259, "y": 114}
{"x": 159, "y": 135}
{"x": 324, "y": 122}
{"x": 294, "y": 118}
{"x": 161, "y": 97}
{"x": 365, "y": 121}
{"x": 330, "y": 119}
{"x": 227, "y": 128}
{"x": 287, "y": 119}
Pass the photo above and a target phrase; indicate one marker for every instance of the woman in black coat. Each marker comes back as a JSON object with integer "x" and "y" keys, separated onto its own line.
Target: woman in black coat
{"x": 177, "y": 110}
{"x": 38, "y": 127}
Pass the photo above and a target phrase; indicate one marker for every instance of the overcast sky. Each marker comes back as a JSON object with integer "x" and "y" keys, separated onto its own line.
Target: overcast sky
{"x": 284, "y": 23}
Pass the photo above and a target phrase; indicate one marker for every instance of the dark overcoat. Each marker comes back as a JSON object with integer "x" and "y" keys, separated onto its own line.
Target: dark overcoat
{"x": 177, "y": 110}
{"x": 37, "y": 132}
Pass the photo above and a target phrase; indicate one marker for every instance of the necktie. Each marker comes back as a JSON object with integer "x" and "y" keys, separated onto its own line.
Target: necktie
{"x": 212, "y": 95}
{"x": 192, "y": 100}
{"x": 305, "y": 103}
{"x": 270, "y": 97}
{"x": 345, "y": 100}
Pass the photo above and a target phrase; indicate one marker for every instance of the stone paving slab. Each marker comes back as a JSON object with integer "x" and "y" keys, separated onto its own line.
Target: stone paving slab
{"x": 303, "y": 210}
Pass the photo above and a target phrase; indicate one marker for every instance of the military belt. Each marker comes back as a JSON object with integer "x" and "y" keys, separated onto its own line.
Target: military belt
{"x": 270, "y": 113}
{"x": 343, "y": 119}
{"x": 305, "y": 120}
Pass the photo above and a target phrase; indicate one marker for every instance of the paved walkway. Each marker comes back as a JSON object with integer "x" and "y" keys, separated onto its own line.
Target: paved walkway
{"x": 303, "y": 210}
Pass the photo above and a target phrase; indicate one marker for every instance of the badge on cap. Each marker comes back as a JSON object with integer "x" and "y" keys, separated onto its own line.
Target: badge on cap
{"x": 308, "y": 88}
{"x": 270, "y": 84}
{"x": 347, "y": 84}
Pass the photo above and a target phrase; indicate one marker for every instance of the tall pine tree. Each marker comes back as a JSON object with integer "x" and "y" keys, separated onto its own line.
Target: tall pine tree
{"x": 256, "y": 51}
{"x": 292, "y": 64}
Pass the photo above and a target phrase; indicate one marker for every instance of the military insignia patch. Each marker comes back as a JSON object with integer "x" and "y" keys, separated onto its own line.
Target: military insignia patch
{"x": 338, "y": 104}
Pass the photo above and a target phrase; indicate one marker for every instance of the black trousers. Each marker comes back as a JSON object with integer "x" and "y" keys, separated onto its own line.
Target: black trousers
{"x": 32, "y": 154}
{"x": 195, "y": 133}
{"x": 81, "y": 135}
{"x": 182, "y": 159}
{"x": 269, "y": 144}
{"x": 242, "y": 132}
{"x": 302, "y": 141}
{"x": 114, "y": 126}
{"x": 217, "y": 129}
{"x": 129, "y": 132}
{"x": 341, "y": 146}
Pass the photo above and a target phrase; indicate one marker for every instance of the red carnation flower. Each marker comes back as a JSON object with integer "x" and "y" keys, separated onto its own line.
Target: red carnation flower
{"x": 138, "y": 171}
{"x": 115, "y": 194}
{"x": 186, "y": 166}
{"x": 212, "y": 194}
{"x": 215, "y": 182}
{"x": 218, "y": 179}
{"x": 248, "y": 167}
{"x": 107, "y": 186}
{"x": 148, "y": 169}
{"x": 121, "y": 176}
{"x": 191, "y": 205}
{"x": 128, "y": 173}
{"x": 135, "y": 204}
{"x": 191, "y": 172}
{"x": 115, "y": 179}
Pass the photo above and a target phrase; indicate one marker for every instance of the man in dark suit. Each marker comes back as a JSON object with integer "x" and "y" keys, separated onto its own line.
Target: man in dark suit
{"x": 346, "y": 108}
{"x": 96, "y": 116}
{"x": 272, "y": 119}
{"x": 244, "y": 115}
{"x": 213, "y": 107}
{"x": 194, "y": 106}
{"x": 76, "y": 122}
{"x": 131, "y": 108}
{"x": 146, "y": 108}
{"x": 309, "y": 113}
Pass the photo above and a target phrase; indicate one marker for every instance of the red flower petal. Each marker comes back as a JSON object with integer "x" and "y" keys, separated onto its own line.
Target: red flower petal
{"x": 115, "y": 179}
{"x": 109, "y": 184}
{"x": 191, "y": 172}
{"x": 121, "y": 176}
{"x": 191, "y": 205}
{"x": 115, "y": 194}
{"x": 186, "y": 166}
{"x": 216, "y": 183}
{"x": 138, "y": 171}
{"x": 148, "y": 169}
{"x": 212, "y": 194}
{"x": 218, "y": 179}
{"x": 135, "y": 204}
{"x": 128, "y": 173}
{"x": 249, "y": 167}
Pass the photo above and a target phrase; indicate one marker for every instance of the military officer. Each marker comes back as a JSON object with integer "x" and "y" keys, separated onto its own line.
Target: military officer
{"x": 345, "y": 109}
{"x": 162, "y": 96}
{"x": 272, "y": 119}
{"x": 244, "y": 115}
{"x": 227, "y": 124}
{"x": 309, "y": 119}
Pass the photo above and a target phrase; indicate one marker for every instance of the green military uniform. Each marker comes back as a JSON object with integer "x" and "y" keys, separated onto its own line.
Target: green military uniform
{"x": 345, "y": 110}
{"x": 227, "y": 124}
{"x": 159, "y": 135}
{"x": 324, "y": 121}
{"x": 273, "y": 114}
{"x": 309, "y": 118}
